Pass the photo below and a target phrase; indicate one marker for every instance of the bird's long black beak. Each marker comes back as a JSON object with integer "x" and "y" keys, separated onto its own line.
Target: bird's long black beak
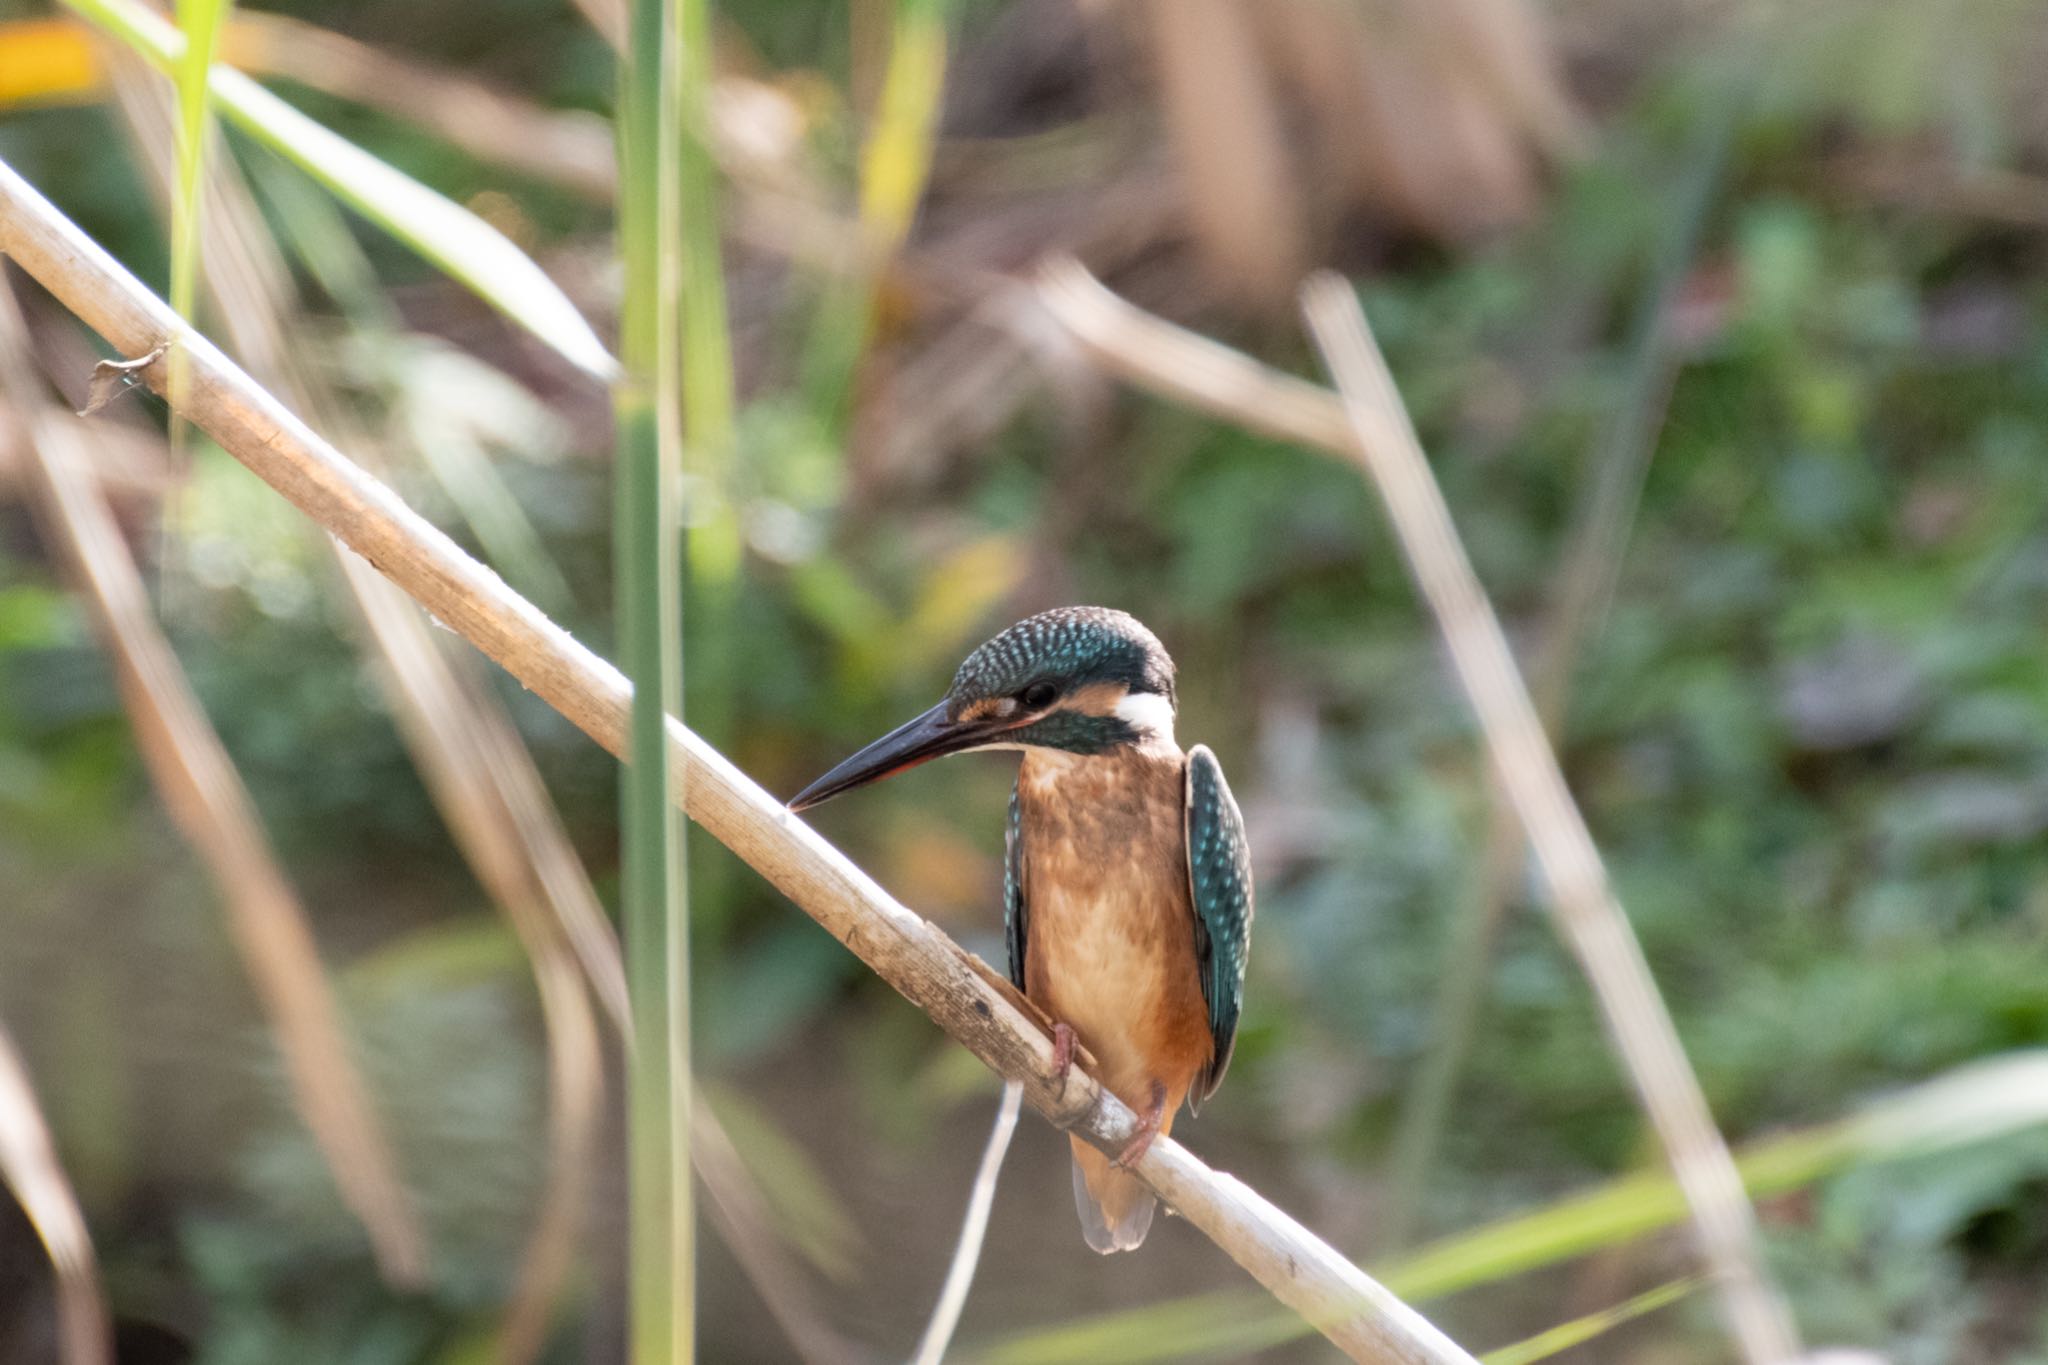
{"x": 929, "y": 736}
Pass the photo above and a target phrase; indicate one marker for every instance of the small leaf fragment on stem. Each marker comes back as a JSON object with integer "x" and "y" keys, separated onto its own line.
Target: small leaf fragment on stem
{"x": 111, "y": 378}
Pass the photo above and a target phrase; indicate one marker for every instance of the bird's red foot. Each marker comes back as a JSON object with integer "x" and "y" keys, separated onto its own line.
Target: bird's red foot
{"x": 1063, "y": 1041}
{"x": 1148, "y": 1129}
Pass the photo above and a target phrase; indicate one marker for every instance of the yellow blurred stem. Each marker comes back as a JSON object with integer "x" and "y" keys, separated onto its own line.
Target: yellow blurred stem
{"x": 897, "y": 161}
{"x": 895, "y": 168}
{"x": 200, "y": 21}
{"x": 707, "y": 374}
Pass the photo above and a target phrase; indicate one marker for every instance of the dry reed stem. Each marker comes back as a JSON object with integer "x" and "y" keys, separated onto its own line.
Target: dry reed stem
{"x": 746, "y": 1221}
{"x": 908, "y": 951}
{"x": 449, "y": 730}
{"x": 1228, "y": 134}
{"x": 205, "y": 798}
{"x": 29, "y": 1167}
{"x": 492, "y": 788}
{"x": 608, "y": 17}
{"x": 127, "y": 464}
{"x": 1586, "y": 581}
{"x": 1591, "y": 917}
{"x": 938, "y": 1333}
{"x": 1153, "y": 354}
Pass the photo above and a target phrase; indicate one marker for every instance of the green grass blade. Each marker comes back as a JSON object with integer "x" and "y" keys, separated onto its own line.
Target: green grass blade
{"x": 448, "y": 236}
{"x": 646, "y": 529}
{"x": 1579, "y": 1331}
{"x": 708, "y": 390}
{"x": 807, "y": 1211}
{"x": 710, "y": 438}
{"x": 201, "y": 22}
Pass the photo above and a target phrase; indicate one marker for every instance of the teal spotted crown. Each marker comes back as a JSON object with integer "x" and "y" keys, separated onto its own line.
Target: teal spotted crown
{"x": 1071, "y": 648}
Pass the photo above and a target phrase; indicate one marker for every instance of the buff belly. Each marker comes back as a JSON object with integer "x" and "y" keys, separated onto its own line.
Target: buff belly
{"x": 1111, "y": 950}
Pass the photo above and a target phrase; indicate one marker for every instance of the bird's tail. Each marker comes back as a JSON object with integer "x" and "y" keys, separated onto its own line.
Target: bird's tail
{"x": 1115, "y": 1207}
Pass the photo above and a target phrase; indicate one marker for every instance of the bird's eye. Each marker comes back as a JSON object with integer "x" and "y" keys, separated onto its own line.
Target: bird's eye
{"x": 1038, "y": 696}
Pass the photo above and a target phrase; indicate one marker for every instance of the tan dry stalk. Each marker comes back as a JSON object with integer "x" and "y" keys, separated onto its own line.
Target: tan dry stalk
{"x": 29, "y": 1167}
{"x": 213, "y": 810}
{"x": 1586, "y": 909}
{"x": 1228, "y": 134}
{"x": 448, "y": 728}
{"x": 127, "y": 464}
{"x": 747, "y": 1223}
{"x": 1154, "y": 354}
{"x": 967, "y": 999}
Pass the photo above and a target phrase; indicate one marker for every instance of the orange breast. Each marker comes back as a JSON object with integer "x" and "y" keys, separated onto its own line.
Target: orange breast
{"x": 1111, "y": 946}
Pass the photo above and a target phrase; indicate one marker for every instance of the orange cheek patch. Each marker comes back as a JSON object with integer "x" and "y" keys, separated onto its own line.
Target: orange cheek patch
{"x": 1096, "y": 699}
{"x": 988, "y": 708}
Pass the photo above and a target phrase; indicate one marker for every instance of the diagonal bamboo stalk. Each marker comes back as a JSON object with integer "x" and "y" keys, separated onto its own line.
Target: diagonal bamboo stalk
{"x": 960, "y": 993}
{"x": 1587, "y": 911}
{"x": 206, "y": 799}
{"x": 29, "y": 1167}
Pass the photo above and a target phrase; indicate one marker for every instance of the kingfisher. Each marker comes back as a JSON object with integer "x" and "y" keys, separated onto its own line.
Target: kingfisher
{"x": 1127, "y": 886}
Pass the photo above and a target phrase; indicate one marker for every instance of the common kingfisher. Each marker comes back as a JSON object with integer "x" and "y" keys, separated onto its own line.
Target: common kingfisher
{"x": 1127, "y": 886}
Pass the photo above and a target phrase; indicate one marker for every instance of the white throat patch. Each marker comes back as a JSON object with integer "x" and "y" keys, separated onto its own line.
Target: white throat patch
{"x": 1150, "y": 714}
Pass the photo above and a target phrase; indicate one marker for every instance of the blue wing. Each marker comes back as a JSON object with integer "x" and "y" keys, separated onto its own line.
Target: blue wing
{"x": 1220, "y": 878}
{"x": 1014, "y": 925}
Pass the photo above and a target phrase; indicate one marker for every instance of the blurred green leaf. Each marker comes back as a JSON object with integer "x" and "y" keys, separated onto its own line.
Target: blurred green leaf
{"x": 450, "y": 237}
{"x": 33, "y": 617}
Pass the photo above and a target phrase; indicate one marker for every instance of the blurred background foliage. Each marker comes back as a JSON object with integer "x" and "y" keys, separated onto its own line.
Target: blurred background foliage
{"x": 1809, "y": 727}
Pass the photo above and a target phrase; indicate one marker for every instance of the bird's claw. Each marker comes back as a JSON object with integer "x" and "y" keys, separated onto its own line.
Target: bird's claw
{"x": 1148, "y": 1128}
{"x": 1134, "y": 1151}
{"x": 1063, "y": 1042}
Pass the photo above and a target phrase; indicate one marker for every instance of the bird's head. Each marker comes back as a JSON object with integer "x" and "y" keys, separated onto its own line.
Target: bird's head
{"x": 1080, "y": 680}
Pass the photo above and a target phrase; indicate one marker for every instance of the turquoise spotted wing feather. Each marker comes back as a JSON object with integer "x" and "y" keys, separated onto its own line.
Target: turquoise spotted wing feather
{"x": 1220, "y": 879}
{"x": 1014, "y": 925}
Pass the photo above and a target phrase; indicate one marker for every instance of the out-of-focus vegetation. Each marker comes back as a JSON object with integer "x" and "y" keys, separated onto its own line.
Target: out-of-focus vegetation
{"x": 1809, "y": 724}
